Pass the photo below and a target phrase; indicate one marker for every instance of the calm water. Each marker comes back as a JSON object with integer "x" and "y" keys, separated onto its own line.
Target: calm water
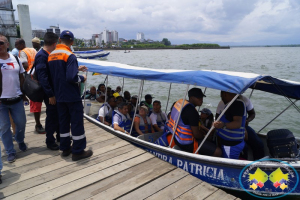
{"x": 280, "y": 62}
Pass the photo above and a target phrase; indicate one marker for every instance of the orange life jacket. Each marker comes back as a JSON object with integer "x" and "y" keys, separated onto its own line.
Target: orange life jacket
{"x": 30, "y": 53}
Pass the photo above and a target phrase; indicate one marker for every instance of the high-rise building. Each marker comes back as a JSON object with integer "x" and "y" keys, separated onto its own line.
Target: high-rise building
{"x": 140, "y": 36}
{"x": 54, "y": 29}
{"x": 105, "y": 36}
{"x": 115, "y": 36}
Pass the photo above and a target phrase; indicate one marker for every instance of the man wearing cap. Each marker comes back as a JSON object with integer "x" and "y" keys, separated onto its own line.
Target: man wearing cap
{"x": 187, "y": 134}
{"x": 158, "y": 118}
{"x": 43, "y": 76}
{"x": 27, "y": 56}
{"x": 36, "y": 43}
{"x": 121, "y": 120}
{"x": 148, "y": 102}
{"x": 63, "y": 67}
{"x": 106, "y": 111}
{"x": 231, "y": 127}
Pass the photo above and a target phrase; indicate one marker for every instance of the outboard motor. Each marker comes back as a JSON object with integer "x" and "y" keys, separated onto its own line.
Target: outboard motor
{"x": 282, "y": 144}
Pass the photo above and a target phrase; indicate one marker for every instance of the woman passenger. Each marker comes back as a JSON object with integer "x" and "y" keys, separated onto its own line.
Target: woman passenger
{"x": 142, "y": 123}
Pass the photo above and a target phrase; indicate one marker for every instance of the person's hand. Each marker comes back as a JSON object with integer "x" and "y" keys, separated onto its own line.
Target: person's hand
{"x": 82, "y": 68}
{"x": 25, "y": 99}
{"x": 218, "y": 124}
{"x": 84, "y": 76}
{"x": 52, "y": 101}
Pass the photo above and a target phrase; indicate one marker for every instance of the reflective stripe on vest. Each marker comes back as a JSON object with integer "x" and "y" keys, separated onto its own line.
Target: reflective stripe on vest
{"x": 62, "y": 52}
{"x": 183, "y": 132}
{"x": 30, "y": 53}
{"x": 233, "y": 134}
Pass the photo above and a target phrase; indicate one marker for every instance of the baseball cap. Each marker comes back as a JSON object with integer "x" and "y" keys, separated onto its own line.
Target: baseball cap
{"x": 196, "y": 92}
{"x": 148, "y": 96}
{"x": 206, "y": 111}
{"x": 36, "y": 40}
{"x": 145, "y": 107}
{"x": 134, "y": 96}
{"x": 116, "y": 94}
{"x": 66, "y": 35}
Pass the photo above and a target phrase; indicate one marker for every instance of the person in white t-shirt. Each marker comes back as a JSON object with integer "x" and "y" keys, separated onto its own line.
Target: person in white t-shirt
{"x": 11, "y": 100}
{"x": 106, "y": 111}
{"x": 158, "y": 118}
{"x": 252, "y": 140}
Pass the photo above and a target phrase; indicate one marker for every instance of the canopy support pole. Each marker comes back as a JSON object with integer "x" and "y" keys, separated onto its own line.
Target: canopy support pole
{"x": 174, "y": 129}
{"x": 123, "y": 87}
{"x": 252, "y": 90}
{"x": 212, "y": 127}
{"x": 203, "y": 93}
{"x": 86, "y": 74}
{"x": 277, "y": 116}
{"x": 105, "y": 95}
{"x": 136, "y": 104}
{"x": 168, "y": 97}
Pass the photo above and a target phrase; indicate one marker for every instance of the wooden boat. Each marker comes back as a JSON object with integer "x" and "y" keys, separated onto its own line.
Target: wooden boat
{"x": 92, "y": 54}
{"x": 221, "y": 172}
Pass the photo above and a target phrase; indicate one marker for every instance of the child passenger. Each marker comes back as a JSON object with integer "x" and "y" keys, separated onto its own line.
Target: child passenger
{"x": 206, "y": 120}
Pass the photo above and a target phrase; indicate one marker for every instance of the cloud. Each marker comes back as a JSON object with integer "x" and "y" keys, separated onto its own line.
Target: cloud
{"x": 216, "y": 21}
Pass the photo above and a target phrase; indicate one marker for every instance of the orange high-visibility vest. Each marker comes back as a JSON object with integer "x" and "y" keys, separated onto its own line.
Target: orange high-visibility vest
{"x": 30, "y": 52}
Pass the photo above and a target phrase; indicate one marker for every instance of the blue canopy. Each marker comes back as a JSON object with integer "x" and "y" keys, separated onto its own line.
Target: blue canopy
{"x": 234, "y": 82}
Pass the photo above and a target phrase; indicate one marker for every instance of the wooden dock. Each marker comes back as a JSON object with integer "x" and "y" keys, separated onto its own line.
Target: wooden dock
{"x": 117, "y": 170}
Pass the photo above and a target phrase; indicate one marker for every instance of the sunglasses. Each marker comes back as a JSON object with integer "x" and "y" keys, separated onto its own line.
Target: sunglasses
{"x": 2, "y": 43}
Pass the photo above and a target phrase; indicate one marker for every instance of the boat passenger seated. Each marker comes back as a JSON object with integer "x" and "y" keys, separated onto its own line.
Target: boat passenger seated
{"x": 121, "y": 120}
{"x": 106, "y": 111}
{"x": 187, "y": 135}
{"x": 142, "y": 123}
{"x": 253, "y": 140}
{"x": 158, "y": 118}
{"x": 127, "y": 96}
{"x": 231, "y": 127}
{"x": 90, "y": 94}
{"x": 205, "y": 122}
{"x": 101, "y": 89}
{"x": 133, "y": 101}
{"x": 148, "y": 103}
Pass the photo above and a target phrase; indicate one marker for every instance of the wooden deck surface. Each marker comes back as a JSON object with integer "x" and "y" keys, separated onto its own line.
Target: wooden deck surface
{"x": 116, "y": 170}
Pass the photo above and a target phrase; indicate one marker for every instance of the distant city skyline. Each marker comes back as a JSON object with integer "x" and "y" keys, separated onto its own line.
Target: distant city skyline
{"x": 225, "y": 22}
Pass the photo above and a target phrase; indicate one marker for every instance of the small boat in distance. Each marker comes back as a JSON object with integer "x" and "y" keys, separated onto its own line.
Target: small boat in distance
{"x": 92, "y": 54}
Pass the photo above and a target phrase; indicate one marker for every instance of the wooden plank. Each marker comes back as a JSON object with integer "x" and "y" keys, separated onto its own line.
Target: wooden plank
{"x": 136, "y": 181}
{"x": 175, "y": 190}
{"x": 199, "y": 192}
{"x": 156, "y": 185}
{"x": 94, "y": 172}
{"x": 59, "y": 169}
{"x": 111, "y": 181}
{"x": 220, "y": 194}
{"x": 22, "y": 168}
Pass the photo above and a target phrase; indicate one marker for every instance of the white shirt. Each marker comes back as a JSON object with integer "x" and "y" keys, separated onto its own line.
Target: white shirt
{"x": 246, "y": 100}
{"x": 10, "y": 77}
{"x": 153, "y": 118}
{"x": 118, "y": 119}
{"x": 104, "y": 110}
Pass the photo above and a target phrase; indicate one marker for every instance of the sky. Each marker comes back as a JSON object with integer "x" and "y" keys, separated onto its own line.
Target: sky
{"x": 224, "y": 22}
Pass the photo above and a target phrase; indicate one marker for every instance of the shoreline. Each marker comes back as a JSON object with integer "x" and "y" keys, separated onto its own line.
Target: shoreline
{"x": 131, "y": 49}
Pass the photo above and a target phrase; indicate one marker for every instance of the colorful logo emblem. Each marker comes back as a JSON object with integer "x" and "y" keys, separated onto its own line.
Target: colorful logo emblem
{"x": 261, "y": 179}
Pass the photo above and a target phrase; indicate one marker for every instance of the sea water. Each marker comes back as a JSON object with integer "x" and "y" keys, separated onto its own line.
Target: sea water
{"x": 280, "y": 62}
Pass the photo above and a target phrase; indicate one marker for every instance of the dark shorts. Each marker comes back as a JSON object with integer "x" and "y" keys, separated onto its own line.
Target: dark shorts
{"x": 208, "y": 148}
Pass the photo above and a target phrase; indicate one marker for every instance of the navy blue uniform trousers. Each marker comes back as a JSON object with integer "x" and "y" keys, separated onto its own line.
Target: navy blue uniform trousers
{"x": 71, "y": 116}
{"x": 52, "y": 124}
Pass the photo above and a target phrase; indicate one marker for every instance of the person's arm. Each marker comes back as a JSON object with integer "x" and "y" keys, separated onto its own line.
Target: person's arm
{"x": 251, "y": 116}
{"x": 153, "y": 118}
{"x": 22, "y": 79}
{"x": 136, "y": 125}
{"x": 105, "y": 122}
{"x": 196, "y": 133}
{"x": 235, "y": 124}
{"x": 102, "y": 113}
{"x": 43, "y": 78}
{"x": 118, "y": 128}
{"x": 152, "y": 129}
{"x": 72, "y": 71}
{"x": 24, "y": 60}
